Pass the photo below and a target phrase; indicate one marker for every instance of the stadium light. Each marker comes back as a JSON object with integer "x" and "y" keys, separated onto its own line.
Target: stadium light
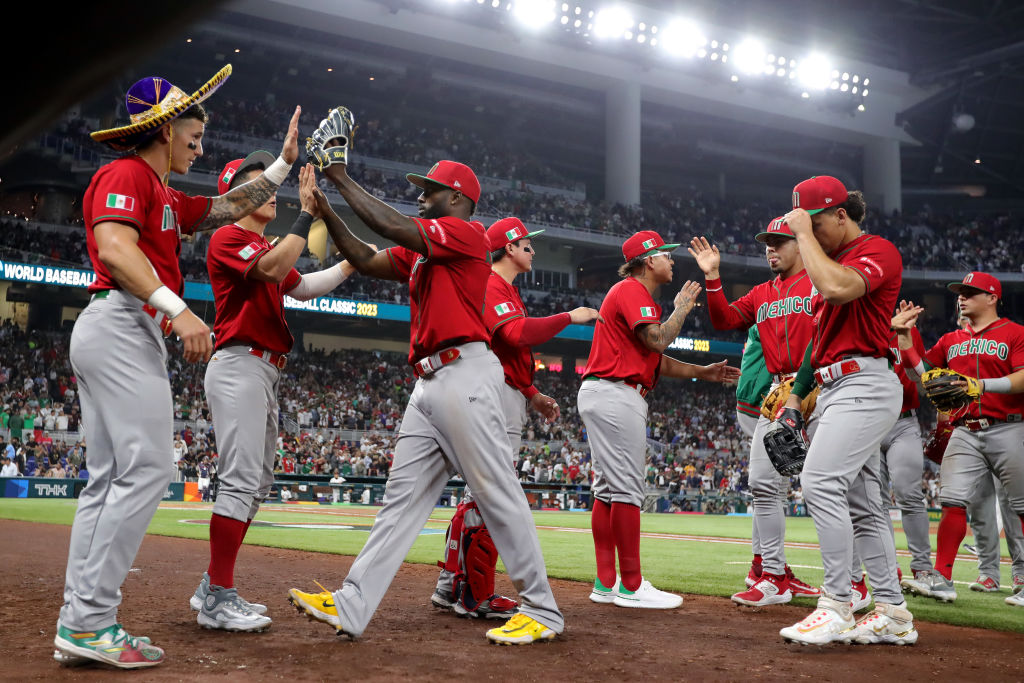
{"x": 815, "y": 71}
{"x": 749, "y": 57}
{"x": 534, "y": 14}
{"x": 682, "y": 38}
{"x": 612, "y": 22}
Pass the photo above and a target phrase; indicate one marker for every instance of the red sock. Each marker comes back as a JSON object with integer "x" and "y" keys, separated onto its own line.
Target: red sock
{"x": 225, "y": 540}
{"x": 626, "y": 527}
{"x": 952, "y": 530}
{"x": 604, "y": 542}
{"x": 757, "y": 560}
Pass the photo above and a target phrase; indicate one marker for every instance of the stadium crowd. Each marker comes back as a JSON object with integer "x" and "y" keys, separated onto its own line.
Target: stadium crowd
{"x": 341, "y": 412}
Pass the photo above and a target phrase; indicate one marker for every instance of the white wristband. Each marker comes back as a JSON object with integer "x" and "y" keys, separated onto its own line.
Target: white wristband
{"x": 278, "y": 171}
{"x": 996, "y": 385}
{"x": 167, "y": 302}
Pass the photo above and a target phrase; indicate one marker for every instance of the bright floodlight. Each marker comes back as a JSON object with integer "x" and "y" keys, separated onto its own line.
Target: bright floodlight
{"x": 815, "y": 71}
{"x": 534, "y": 13}
{"x": 612, "y": 22}
{"x": 682, "y": 38}
{"x": 749, "y": 57}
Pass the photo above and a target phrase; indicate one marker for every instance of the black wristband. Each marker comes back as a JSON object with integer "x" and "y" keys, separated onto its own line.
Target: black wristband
{"x": 302, "y": 225}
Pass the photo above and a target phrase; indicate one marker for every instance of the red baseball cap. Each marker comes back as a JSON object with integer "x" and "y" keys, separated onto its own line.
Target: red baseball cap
{"x": 776, "y": 227}
{"x": 818, "y": 193}
{"x": 645, "y": 243}
{"x": 228, "y": 174}
{"x": 506, "y": 231}
{"x": 452, "y": 175}
{"x": 977, "y": 282}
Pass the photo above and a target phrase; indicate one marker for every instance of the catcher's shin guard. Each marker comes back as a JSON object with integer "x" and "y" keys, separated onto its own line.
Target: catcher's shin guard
{"x": 474, "y": 581}
{"x": 453, "y": 542}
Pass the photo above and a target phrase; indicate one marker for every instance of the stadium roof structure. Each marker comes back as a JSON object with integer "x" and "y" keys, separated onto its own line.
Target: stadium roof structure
{"x": 944, "y": 76}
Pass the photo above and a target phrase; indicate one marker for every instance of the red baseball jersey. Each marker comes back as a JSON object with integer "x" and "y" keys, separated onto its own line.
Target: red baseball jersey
{"x": 860, "y": 327}
{"x": 249, "y": 311}
{"x": 129, "y": 191}
{"x": 616, "y": 352}
{"x": 504, "y": 305}
{"x": 781, "y": 309}
{"x": 911, "y": 399}
{"x": 996, "y": 351}
{"x": 447, "y": 286}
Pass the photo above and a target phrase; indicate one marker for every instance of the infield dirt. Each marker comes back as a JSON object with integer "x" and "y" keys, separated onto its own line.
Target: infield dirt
{"x": 708, "y": 638}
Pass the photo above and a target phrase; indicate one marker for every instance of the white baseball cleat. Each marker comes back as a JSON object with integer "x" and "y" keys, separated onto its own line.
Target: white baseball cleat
{"x": 1017, "y": 599}
{"x": 646, "y": 596}
{"x": 886, "y": 624}
{"x": 770, "y": 589}
{"x": 822, "y": 626}
{"x": 197, "y": 599}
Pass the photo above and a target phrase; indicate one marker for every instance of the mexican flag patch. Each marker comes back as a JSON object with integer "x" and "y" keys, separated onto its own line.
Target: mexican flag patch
{"x": 648, "y": 244}
{"x": 502, "y": 309}
{"x": 248, "y": 251}
{"x": 120, "y": 201}
{"x": 512, "y": 234}
{"x": 646, "y": 312}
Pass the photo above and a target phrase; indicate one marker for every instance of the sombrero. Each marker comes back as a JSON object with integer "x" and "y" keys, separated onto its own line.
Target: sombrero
{"x": 151, "y": 103}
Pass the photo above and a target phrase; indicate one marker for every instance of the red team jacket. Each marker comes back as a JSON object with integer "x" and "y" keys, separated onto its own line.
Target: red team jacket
{"x": 860, "y": 327}
{"x": 617, "y": 353}
{"x": 996, "y": 351}
{"x": 781, "y": 309}
{"x": 129, "y": 191}
{"x": 248, "y": 311}
{"x": 447, "y": 286}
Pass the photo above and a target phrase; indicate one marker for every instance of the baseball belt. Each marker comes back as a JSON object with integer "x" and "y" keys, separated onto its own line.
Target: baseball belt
{"x": 427, "y": 366}
{"x": 162, "y": 321}
{"x": 830, "y": 373}
{"x": 278, "y": 360}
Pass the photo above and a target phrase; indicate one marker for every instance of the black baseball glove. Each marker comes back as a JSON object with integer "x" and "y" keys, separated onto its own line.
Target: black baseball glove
{"x": 330, "y": 142}
{"x": 949, "y": 390}
{"x": 786, "y": 443}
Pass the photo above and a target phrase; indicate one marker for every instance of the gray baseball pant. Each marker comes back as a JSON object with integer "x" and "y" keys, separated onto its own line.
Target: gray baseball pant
{"x": 241, "y": 390}
{"x": 770, "y": 493}
{"x": 453, "y": 423}
{"x": 985, "y": 527}
{"x": 971, "y": 456}
{"x": 615, "y": 415}
{"x": 903, "y": 466}
{"x": 120, "y": 362}
{"x": 513, "y": 407}
{"x": 748, "y": 423}
{"x": 841, "y": 482}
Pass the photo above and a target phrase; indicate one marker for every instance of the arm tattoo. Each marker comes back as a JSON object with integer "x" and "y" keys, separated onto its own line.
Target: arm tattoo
{"x": 238, "y": 202}
{"x": 660, "y": 337}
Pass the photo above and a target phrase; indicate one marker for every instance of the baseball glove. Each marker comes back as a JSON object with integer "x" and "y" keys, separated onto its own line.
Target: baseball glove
{"x": 776, "y": 400}
{"x": 949, "y": 390}
{"x": 786, "y": 443}
{"x": 330, "y": 142}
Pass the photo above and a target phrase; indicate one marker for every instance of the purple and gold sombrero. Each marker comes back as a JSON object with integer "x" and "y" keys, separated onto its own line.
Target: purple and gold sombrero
{"x": 151, "y": 103}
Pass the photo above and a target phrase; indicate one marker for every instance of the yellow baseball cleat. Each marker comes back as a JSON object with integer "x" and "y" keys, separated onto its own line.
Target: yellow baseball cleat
{"x": 520, "y": 630}
{"x": 319, "y": 606}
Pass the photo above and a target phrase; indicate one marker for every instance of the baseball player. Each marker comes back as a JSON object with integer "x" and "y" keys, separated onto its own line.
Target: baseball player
{"x": 134, "y": 224}
{"x": 249, "y": 281}
{"x": 626, "y": 360}
{"x": 856, "y": 278}
{"x": 466, "y": 582}
{"x": 988, "y": 432}
{"x": 454, "y": 420}
{"x": 982, "y": 511}
{"x": 781, "y": 311}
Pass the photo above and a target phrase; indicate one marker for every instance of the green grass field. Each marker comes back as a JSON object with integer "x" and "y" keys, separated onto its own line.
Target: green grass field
{"x": 706, "y": 566}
